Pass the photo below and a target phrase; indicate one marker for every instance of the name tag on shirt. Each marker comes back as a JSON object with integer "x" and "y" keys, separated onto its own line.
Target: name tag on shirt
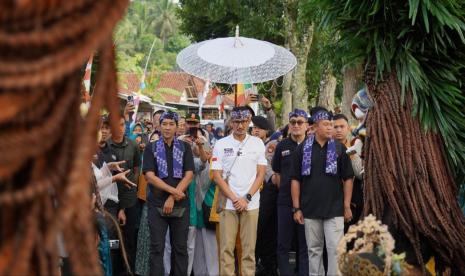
{"x": 285, "y": 153}
{"x": 228, "y": 152}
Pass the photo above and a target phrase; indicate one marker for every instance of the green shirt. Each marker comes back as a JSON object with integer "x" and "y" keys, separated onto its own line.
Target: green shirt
{"x": 128, "y": 151}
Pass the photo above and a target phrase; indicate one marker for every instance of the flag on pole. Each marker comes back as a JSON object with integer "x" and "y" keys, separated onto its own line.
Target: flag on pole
{"x": 86, "y": 79}
{"x": 142, "y": 84}
{"x": 243, "y": 91}
{"x": 203, "y": 96}
{"x": 240, "y": 94}
{"x": 136, "y": 100}
{"x": 84, "y": 107}
{"x": 218, "y": 100}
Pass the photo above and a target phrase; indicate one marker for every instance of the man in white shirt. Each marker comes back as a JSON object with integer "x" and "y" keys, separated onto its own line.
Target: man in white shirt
{"x": 242, "y": 158}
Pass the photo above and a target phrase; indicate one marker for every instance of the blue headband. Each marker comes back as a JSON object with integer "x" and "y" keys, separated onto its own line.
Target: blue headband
{"x": 298, "y": 113}
{"x": 240, "y": 115}
{"x": 321, "y": 115}
{"x": 169, "y": 115}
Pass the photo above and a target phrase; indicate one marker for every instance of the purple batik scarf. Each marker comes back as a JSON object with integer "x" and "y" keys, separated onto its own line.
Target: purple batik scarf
{"x": 331, "y": 155}
{"x": 162, "y": 165}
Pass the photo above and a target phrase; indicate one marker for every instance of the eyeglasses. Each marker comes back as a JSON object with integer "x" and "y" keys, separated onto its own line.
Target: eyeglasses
{"x": 299, "y": 123}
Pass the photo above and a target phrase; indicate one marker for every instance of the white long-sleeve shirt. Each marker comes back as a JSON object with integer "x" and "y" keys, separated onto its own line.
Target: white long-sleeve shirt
{"x": 106, "y": 188}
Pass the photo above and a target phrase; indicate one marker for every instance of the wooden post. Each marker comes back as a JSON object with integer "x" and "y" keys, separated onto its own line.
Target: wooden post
{"x": 234, "y": 87}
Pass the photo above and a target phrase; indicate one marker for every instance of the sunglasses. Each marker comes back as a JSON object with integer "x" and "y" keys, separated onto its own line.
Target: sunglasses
{"x": 299, "y": 123}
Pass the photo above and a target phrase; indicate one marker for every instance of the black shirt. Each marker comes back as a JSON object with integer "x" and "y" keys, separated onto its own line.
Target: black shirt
{"x": 157, "y": 196}
{"x": 282, "y": 164}
{"x": 322, "y": 194}
{"x": 128, "y": 151}
{"x": 104, "y": 155}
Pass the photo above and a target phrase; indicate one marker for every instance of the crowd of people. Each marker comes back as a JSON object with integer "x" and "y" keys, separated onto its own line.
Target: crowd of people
{"x": 195, "y": 200}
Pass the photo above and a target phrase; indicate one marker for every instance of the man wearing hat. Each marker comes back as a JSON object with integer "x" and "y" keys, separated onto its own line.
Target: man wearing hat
{"x": 202, "y": 152}
{"x": 321, "y": 190}
{"x": 168, "y": 167}
{"x": 239, "y": 166}
{"x": 196, "y": 137}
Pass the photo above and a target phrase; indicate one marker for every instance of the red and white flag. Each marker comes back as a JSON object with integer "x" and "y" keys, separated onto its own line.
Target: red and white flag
{"x": 87, "y": 79}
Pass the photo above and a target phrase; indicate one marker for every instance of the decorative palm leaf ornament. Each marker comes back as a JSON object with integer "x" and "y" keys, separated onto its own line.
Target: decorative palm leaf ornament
{"x": 415, "y": 150}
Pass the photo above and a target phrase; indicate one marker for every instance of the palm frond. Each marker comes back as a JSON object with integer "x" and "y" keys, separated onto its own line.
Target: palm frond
{"x": 424, "y": 41}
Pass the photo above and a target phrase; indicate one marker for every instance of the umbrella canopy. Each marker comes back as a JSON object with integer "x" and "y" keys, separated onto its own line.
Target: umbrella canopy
{"x": 237, "y": 59}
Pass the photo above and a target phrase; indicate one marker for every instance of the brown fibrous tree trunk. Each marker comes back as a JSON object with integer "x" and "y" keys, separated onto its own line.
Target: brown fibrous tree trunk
{"x": 408, "y": 182}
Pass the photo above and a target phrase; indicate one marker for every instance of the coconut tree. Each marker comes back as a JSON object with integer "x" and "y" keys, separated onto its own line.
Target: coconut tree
{"x": 414, "y": 54}
{"x": 166, "y": 23}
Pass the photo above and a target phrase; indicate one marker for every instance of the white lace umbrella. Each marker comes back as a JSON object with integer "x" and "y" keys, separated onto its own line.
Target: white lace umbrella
{"x": 235, "y": 60}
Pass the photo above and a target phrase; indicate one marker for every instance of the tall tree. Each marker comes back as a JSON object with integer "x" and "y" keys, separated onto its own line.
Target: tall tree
{"x": 299, "y": 29}
{"x": 260, "y": 19}
{"x": 415, "y": 146}
{"x": 327, "y": 90}
{"x": 352, "y": 78}
{"x": 165, "y": 24}
{"x": 287, "y": 98}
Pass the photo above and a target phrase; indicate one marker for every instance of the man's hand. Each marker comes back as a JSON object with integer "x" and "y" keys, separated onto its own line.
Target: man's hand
{"x": 115, "y": 166}
{"x": 169, "y": 204}
{"x": 249, "y": 99}
{"x": 141, "y": 146}
{"x": 122, "y": 177}
{"x": 178, "y": 194}
{"x": 347, "y": 214}
{"x": 299, "y": 217}
{"x": 240, "y": 205}
{"x": 93, "y": 200}
{"x": 275, "y": 180}
{"x": 356, "y": 148}
{"x": 199, "y": 142}
{"x": 265, "y": 102}
{"x": 121, "y": 217}
{"x": 128, "y": 109}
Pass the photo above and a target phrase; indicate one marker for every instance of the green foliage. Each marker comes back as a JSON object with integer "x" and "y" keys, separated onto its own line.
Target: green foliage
{"x": 207, "y": 19}
{"x": 147, "y": 23}
{"x": 423, "y": 41}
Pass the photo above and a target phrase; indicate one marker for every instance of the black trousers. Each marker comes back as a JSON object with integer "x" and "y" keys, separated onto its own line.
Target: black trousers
{"x": 179, "y": 228}
{"x": 356, "y": 204}
{"x": 130, "y": 232}
{"x": 267, "y": 231}
{"x": 116, "y": 259}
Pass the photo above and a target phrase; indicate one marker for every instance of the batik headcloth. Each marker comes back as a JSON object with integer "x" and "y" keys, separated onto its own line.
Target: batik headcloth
{"x": 321, "y": 115}
{"x": 169, "y": 115}
{"x": 241, "y": 115}
{"x": 298, "y": 113}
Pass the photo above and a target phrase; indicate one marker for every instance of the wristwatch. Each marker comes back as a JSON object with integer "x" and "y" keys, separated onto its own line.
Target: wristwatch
{"x": 248, "y": 197}
{"x": 294, "y": 210}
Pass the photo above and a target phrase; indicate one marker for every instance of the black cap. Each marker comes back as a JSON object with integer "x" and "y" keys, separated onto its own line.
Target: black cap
{"x": 261, "y": 122}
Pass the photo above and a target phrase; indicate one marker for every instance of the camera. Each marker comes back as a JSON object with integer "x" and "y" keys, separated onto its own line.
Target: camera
{"x": 114, "y": 244}
{"x": 193, "y": 132}
{"x": 256, "y": 97}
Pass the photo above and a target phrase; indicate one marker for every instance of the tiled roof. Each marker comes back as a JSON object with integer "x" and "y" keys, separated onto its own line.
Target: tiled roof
{"x": 179, "y": 81}
{"x": 174, "y": 80}
{"x": 128, "y": 82}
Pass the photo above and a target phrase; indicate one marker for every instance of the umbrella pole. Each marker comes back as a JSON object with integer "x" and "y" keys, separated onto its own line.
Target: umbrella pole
{"x": 235, "y": 94}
